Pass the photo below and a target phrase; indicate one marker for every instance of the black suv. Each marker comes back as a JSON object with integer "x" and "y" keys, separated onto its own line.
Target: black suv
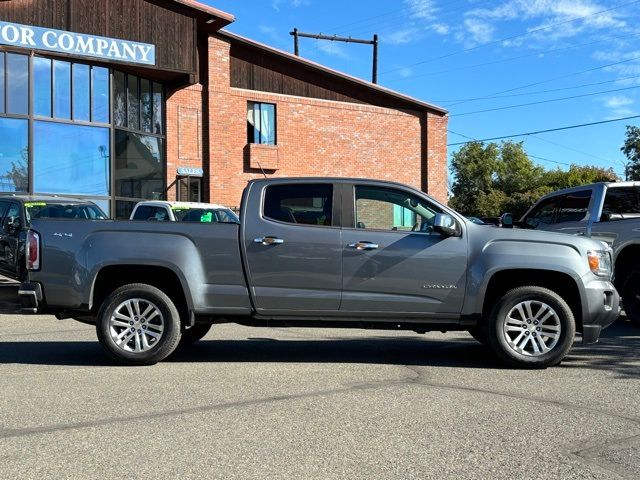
{"x": 16, "y": 211}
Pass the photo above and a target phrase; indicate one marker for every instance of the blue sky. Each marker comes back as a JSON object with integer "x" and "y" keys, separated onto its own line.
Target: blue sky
{"x": 452, "y": 52}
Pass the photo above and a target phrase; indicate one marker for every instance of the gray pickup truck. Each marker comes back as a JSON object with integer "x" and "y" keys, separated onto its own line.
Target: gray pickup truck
{"x": 322, "y": 252}
{"x": 608, "y": 212}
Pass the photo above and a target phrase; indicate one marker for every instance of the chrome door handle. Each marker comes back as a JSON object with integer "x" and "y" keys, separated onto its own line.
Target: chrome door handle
{"x": 269, "y": 241}
{"x": 363, "y": 245}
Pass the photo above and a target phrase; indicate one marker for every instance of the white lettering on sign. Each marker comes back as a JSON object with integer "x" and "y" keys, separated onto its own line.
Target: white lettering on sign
{"x": 77, "y": 43}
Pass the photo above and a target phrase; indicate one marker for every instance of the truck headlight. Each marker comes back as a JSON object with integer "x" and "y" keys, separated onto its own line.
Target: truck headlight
{"x": 600, "y": 262}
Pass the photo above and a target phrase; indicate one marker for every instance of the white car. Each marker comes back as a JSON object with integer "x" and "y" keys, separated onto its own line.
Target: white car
{"x": 165, "y": 211}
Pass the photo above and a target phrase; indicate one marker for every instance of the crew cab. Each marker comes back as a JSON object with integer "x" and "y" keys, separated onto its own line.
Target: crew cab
{"x": 16, "y": 213}
{"x": 609, "y": 212}
{"x": 322, "y": 252}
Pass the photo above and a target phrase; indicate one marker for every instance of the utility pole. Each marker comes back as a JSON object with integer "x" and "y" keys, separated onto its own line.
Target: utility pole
{"x": 334, "y": 38}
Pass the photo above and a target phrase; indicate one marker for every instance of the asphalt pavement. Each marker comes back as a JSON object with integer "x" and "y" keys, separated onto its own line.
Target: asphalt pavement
{"x": 297, "y": 403}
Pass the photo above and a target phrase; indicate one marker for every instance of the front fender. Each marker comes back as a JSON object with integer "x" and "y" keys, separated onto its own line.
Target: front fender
{"x": 501, "y": 255}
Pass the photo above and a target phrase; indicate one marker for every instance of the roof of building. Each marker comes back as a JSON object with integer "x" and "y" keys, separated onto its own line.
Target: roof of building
{"x": 360, "y": 82}
{"x": 223, "y": 18}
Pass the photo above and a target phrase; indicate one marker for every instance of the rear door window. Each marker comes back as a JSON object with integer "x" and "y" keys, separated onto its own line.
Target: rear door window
{"x": 620, "y": 201}
{"x": 574, "y": 207}
{"x": 304, "y": 204}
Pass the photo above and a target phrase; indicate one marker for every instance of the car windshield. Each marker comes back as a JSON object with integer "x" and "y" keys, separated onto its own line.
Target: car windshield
{"x": 205, "y": 215}
{"x": 42, "y": 209}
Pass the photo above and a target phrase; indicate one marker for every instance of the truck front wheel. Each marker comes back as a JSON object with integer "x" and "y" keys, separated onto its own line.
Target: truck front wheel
{"x": 531, "y": 327}
{"x": 138, "y": 325}
{"x": 631, "y": 296}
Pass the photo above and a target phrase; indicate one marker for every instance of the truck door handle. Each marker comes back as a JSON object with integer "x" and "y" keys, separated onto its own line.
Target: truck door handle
{"x": 363, "y": 245}
{"x": 269, "y": 241}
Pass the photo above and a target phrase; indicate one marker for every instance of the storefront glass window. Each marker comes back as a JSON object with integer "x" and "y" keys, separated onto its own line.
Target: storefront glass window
{"x": 17, "y": 84}
{"x": 119, "y": 99}
{"x": 146, "y": 107}
{"x": 42, "y": 86}
{"x": 100, "y": 99}
{"x": 139, "y": 166}
{"x": 72, "y": 159}
{"x": 133, "y": 103}
{"x": 13, "y": 155}
{"x": 158, "y": 121}
{"x": 1, "y": 82}
{"x": 81, "y": 91}
{"x": 61, "y": 89}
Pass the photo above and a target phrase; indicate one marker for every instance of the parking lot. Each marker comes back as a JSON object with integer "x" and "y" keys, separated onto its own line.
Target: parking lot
{"x": 308, "y": 403}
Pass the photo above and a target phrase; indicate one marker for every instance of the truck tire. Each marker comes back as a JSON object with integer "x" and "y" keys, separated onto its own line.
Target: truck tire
{"x": 195, "y": 333}
{"x": 631, "y": 296}
{"x": 479, "y": 334}
{"x": 531, "y": 327}
{"x": 138, "y": 325}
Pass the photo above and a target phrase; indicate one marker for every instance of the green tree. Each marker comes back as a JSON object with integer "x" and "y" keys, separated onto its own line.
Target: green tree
{"x": 631, "y": 149}
{"x": 493, "y": 179}
{"x": 475, "y": 167}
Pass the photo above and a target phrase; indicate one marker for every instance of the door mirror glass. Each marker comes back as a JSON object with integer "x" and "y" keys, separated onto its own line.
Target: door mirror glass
{"x": 445, "y": 225}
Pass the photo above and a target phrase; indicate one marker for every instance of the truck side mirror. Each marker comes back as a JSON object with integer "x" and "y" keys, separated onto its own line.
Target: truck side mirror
{"x": 445, "y": 225}
{"x": 506, "y": 220}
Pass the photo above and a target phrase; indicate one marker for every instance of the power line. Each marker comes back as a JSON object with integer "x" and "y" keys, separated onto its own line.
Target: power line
{"x": 540, "y": 102}
{"x": 524, "y": 34}
{"x": 528, "y": 154}
{"x": 557, "y": 78}
{"x": 519, "y": 57}
{"x": 545, "y": 131}
{"x": 491, "y": 97}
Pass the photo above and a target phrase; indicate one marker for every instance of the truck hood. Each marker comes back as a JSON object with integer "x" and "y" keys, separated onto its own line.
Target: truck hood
{"x": 490, "y": 234}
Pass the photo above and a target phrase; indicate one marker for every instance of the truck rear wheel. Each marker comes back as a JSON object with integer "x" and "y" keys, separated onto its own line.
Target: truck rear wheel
{"x": 631, "y": 296}
{"x": 531, "y": 327}
{"x": 138, "y": 325}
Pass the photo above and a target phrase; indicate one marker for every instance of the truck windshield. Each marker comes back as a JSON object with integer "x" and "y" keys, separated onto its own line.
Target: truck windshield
{"x": 206, "y": 215}
{"x": 63, "y": 210}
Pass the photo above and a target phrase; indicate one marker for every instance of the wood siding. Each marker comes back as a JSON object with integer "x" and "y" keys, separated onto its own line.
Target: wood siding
{"x": 252, "y": 69}
{"x": 160, "y": 23}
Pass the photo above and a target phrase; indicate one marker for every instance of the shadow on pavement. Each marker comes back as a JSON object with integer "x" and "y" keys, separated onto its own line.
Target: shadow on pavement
{"x": 617, "y": 351}
{"x": 375, "y": 350}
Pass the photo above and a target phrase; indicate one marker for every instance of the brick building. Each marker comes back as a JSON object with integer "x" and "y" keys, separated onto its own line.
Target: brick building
{"x": 127, "y": 100}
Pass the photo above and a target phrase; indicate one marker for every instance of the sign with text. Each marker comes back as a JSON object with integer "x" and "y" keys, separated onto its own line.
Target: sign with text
{"x": 111, "y": 49}
{"x": 189, "y": 171}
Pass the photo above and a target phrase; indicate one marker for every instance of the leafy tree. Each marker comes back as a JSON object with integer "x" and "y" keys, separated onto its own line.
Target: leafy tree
{"x": 492, "y": 179}
{"x": 631, "y": 149}
{"x": 474, "y": 167}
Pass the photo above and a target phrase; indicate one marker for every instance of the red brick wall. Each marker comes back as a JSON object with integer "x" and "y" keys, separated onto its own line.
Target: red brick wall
{"x": 185, "y": 134}
{"x": 315, "y": 138}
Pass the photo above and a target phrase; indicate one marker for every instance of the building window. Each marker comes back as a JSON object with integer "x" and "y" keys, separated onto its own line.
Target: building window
{"x": 17, "y": 72}
{"x": 138, "y": 114}
{"x": 14, "y": 153}
{"x": 188, "y": 189}
{"x": 261, "y": 123}
{"x": 81, "y": 167}
{"x": 138, "y": 104}
{"x": 139, "y": 166}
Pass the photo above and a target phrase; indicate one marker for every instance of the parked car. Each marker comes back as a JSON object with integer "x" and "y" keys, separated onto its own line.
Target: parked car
{"x": 16, "y": 213}
{"x": 605, "y": 211}
{"x": 322, "y": 252}
{"x": 165, "y": 211}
